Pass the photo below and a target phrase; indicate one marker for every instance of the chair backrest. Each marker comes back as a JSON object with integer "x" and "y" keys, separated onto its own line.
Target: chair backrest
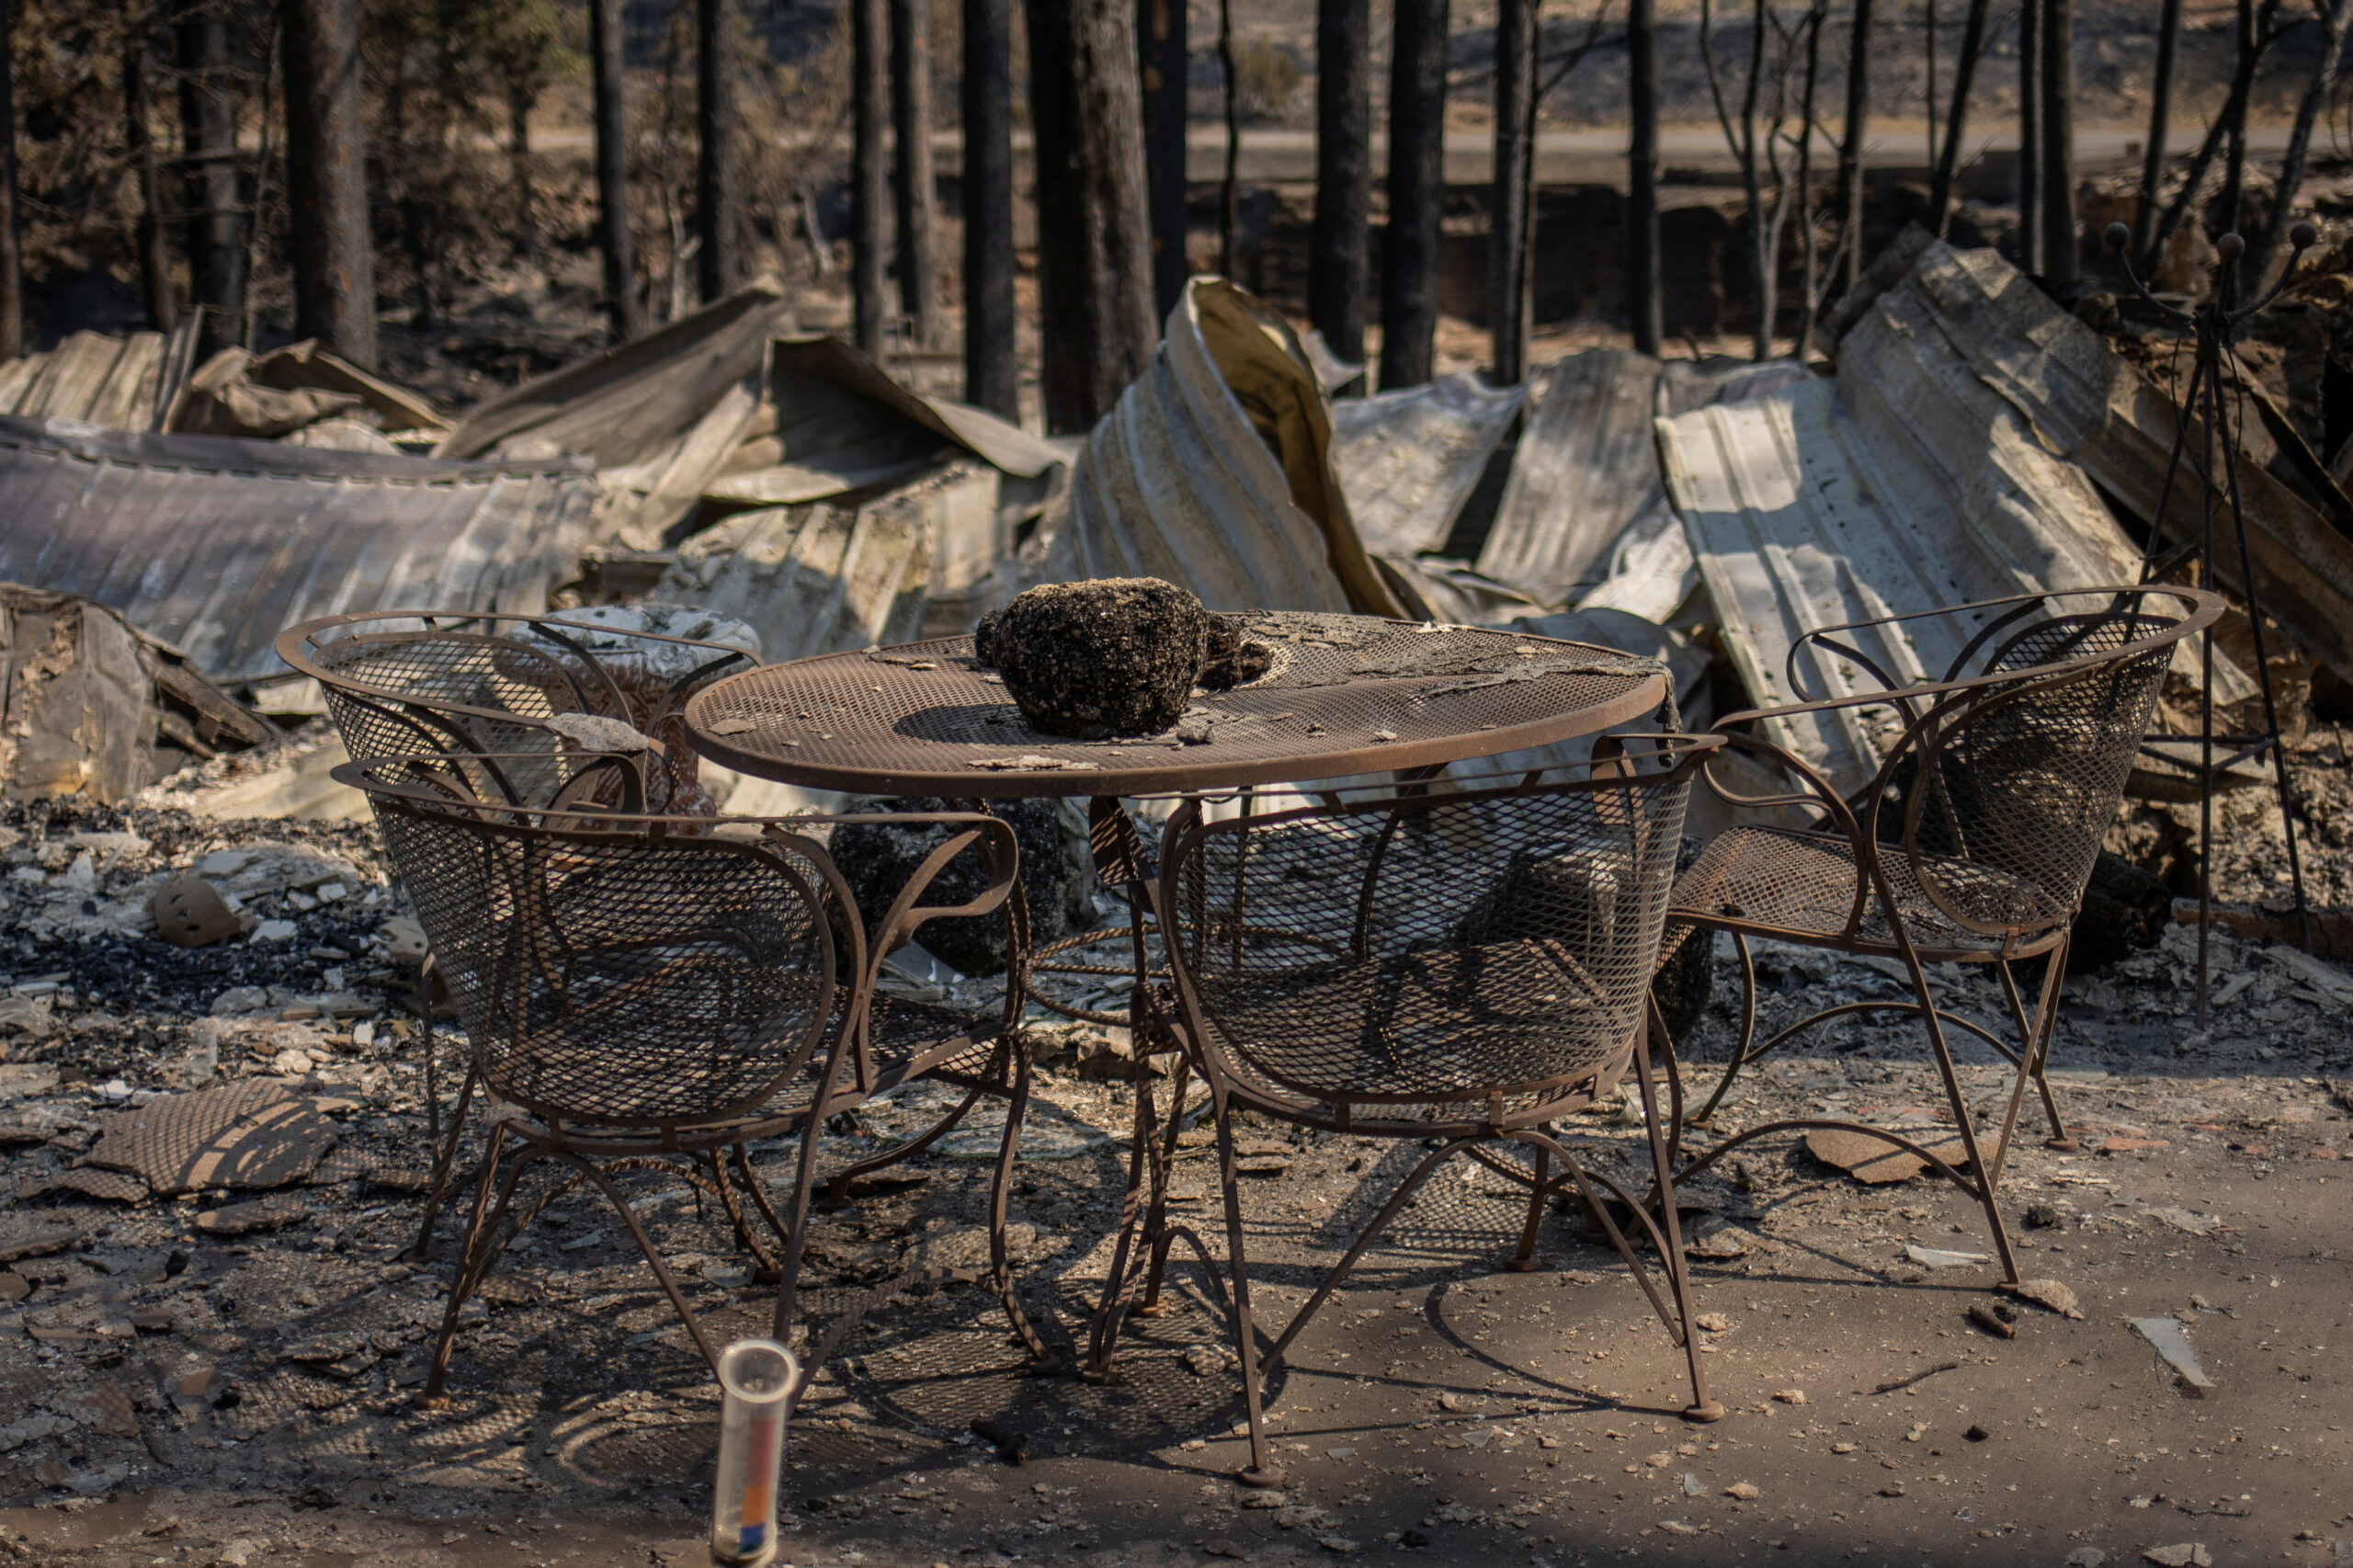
{"x": 1413, "y": 945}
{"x": 486, "y": 685}
{"x": 660, "y": 973}
{"x": 2001, "y": 793}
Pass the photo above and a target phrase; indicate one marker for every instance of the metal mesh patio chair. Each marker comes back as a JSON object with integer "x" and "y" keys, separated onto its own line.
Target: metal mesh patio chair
{"x": 486, "y": 686}
{"x": 399, "y": 684}
{"x": 1461, "y": 967}
{"x": 1973, "y": 843}
{"x": 650, "y": 992}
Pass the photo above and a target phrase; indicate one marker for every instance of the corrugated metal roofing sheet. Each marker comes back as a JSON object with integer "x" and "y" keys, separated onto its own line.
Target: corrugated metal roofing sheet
{"x": 1409, "y": 459}
{"x": 215, "y": 544}
{"x": 1585, "y": 470}
{"x": 1215, "y": 472}
{"x": 127, "y": 383}
{"x": 1908, "y": 484}
{"x": 2096, "y": 408}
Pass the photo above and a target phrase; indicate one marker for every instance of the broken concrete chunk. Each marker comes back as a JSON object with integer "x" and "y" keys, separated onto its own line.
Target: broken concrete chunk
{"x": 2047, "y": 1293}
{"x": 190, "y": 913}
{"x": 27, "y": 1016}
{"x": 2172, "y": 1344}
{"x": 243, "y": 1218}
{"x": 2186, "y": 1554}
{"x": 1874, "y": 1161}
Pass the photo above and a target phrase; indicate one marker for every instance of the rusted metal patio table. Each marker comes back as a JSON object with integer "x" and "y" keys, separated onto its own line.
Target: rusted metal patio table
{"x": 1346, "y": 695}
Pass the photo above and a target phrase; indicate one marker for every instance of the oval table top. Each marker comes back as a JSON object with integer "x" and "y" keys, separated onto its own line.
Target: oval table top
{"x": 1348, "y": 694}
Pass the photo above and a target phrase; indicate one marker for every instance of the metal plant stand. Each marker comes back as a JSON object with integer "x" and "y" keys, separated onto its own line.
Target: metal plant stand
{"x": 2214, "y": 326}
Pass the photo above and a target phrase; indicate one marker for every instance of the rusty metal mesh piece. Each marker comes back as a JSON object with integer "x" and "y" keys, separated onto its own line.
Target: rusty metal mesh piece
{"x": 1350, "y": 694}
{"x": 619, "y": 978}
{"x": 1418, "y": 951}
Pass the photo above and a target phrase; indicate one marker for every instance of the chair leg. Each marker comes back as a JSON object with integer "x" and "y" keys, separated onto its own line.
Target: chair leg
{"x": 1678, "y": 1272}
{"x": 1262, "y": 1470}
{"x": 1041, "y": 1359}
{"x": 1524, "y": 1261}
{"x": 1747, "y": 1026}
{"x": 1983, "y": 1175}
{"x": 445, "y": 1157}
{"x": 2054, "y": 978}
{"x": 653, "y": 1255}
{"x": 462, "y": 1282}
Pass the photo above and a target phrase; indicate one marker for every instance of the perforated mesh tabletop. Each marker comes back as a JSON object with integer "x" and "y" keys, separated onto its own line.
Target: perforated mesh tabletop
{"x": 1347, "y": 694}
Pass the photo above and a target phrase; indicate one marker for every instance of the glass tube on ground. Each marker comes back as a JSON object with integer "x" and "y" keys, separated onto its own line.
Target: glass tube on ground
{"x": 755, "y": 1375}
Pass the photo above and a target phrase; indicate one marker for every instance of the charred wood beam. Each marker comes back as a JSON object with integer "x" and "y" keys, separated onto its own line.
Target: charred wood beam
{"x": 1508, "y": 204}
{"x": 911, "y": 98}
{"x": 613, "y": 237}
{"x": 1160, "y": 39}
{"x": 718, "y": 190}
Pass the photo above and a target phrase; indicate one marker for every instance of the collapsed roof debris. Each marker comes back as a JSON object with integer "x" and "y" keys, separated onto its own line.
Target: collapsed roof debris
{"x": 1409, "y": 459}
{"x": 216, "y": 545}
{"x": 660, "y": 416}
{"x": 1585, "y": 471}
{"x": 128, "y": 382}
{"x": 1215, "y": 472}
{"x": 83, "y": 697}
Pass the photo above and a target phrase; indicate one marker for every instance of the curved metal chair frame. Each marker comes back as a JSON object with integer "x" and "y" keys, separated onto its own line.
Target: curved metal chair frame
{"x": 1471, "y": 1072}
{"x": 516, "y": 891}
{"x": 408, "y": 683}
{"x": 1930, "y": 902}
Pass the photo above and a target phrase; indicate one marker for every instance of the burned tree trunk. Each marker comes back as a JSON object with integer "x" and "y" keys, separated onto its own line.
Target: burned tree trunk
{"x": 991, "y": 371}
{"x": 1851, "y": 148}
{"x": 216, "y": 240}
{"x": 718, "y": 218}
{"x": 1229, "y": 192}
{"x": 1341, "y": 271}
{"x": 1417, "y": 193}
{"x": 911, "y": 96}
{"x": 2152, "y": 160}
{"x": 1964, "y": 81}
{"x": 139, "y": 142}
{"x": 12, "y": 272}
{"x": 1508, "y": 205}
{"x": 2233, "y": 122}
{"x": 1160, "y": 36}
{"x": 2061, "y": 246}
{"x": 1094, "y": 247}
{"x": 613, "y": 237}
{"x": 869, "y": 180}
{"x": 521, "y": 99}
{"x": 2292, "y": 163}
{"x": 2029, "y": 181}
{"x": 1643, "y": 286}
{"x": 326, "y": 180}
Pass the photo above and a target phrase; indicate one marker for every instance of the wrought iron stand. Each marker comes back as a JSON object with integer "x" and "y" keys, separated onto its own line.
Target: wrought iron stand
{"x": 2214, "y": 325}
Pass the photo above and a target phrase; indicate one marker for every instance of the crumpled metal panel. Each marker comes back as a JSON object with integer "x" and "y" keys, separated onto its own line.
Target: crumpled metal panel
{"x": 2093, "y": 406}
{"x": 215, "y": 544}
{"x": 1908, "y": 484}
{"x": 128, "y": 382}
{"x": 1409, "y": 459}
{"x": 1586, "y": 469}
{"x": 1178, "y": 482}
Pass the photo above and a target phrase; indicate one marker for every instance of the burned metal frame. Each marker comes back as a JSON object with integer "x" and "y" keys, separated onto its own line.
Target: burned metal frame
{"x": 514, "y": 851}
{"x": 2213, "y": 328}
{"x": 1747, "y": 874}
{"x": 1661, "y": 767}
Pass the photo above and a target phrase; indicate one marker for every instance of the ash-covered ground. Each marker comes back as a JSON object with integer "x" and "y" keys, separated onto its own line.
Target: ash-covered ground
{"x": 226, "y": 1375}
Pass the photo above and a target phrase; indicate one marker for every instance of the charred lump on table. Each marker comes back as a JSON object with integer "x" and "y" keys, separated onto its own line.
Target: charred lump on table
{"x": 1114, "y": 656}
